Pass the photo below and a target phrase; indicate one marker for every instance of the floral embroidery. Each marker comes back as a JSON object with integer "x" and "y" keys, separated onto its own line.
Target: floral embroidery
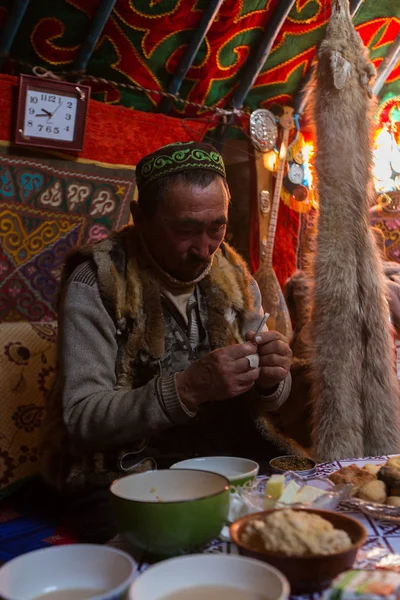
{"x": 17, "y": 353}
{"x": 43, "y": 379}
{"x": 47, "y": 331}
{"x": 28, "y": 417}
{"x": 31, "y": 454}
{"x": 27, "y": 368}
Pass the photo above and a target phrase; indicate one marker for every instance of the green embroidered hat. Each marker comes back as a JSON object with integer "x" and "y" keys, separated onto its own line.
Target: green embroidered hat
{"x": 176, "y": 158}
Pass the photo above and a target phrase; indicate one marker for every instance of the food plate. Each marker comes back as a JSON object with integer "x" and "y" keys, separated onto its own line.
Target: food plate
{"x": 378, "y": 498}
{"x": 256, "y": 500}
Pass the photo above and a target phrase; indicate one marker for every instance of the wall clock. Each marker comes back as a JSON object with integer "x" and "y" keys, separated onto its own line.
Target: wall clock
{"x": 51, "y": 114}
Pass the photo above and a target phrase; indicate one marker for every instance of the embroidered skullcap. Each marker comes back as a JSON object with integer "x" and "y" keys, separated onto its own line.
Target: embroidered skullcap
{"x": 176, "y": 158}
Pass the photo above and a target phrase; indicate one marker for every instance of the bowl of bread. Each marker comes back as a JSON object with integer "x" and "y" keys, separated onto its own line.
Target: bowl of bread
{"x": 375, "y": 488}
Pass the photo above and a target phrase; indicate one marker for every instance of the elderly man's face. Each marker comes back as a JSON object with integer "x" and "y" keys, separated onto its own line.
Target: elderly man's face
{"x": 188, "y": 227}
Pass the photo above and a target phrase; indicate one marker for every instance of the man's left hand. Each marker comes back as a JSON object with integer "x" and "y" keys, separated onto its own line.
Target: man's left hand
{"x": 275, "y": 357}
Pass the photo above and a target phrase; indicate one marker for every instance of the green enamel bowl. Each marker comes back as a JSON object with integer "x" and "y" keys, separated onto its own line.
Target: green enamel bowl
{"x": 170, "y": 512}
{"x": 237, "y": 470}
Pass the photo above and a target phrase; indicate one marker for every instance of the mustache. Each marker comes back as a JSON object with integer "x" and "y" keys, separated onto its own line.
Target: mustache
{"x": 194, "y": 261}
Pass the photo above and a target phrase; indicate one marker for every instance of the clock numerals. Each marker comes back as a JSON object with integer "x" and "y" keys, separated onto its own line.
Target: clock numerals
{"x": 51, "y": 116}
{"x": 51, "y": 113}
{"x": 49, "y": 98}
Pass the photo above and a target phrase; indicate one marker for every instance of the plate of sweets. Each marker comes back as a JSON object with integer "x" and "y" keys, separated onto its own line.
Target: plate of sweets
{"x": 375, "y": 488}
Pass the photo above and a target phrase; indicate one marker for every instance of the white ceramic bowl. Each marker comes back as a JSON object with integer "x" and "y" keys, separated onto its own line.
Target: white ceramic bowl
{"x": 99, "y": 572}
{"x": 175, "y": 575}
{"x": 237, "y": 470}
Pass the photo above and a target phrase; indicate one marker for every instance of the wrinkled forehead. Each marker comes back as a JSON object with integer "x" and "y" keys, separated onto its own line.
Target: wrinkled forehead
{"x": 185, "y": 201}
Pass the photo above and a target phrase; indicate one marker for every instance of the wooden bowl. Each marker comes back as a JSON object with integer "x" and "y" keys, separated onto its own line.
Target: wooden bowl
{"x": 307, "y": 574}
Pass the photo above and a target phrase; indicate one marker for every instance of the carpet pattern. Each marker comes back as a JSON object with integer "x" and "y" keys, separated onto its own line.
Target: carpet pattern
{"x": 47, "y": 207}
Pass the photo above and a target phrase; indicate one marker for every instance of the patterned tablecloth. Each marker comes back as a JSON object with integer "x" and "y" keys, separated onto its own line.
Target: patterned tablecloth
{"x": 383, "y": 537}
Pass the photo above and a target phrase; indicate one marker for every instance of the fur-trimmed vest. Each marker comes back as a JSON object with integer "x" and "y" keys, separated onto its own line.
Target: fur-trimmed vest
{"x": 131, "y": 294}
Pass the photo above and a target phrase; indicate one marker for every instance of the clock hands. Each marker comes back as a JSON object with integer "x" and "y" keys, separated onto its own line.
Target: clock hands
{"x": 48, "y": 114}
{"x": 54, "y": 111}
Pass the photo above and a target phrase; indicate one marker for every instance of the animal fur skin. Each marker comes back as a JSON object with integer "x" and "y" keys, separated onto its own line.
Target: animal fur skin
{"x": 355, "y": 389}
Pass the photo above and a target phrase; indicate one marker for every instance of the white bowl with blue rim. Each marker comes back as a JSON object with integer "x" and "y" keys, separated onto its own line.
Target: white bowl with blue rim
{"x": 68, "y": 572}
{"x": 237, "y": 470}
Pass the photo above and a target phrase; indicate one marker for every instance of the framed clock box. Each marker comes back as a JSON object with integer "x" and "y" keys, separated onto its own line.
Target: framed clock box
{"x": 51, "y": 113}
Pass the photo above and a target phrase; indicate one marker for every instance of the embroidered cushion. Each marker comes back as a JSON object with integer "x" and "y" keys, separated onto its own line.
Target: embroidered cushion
{"x": 27, "y": 369}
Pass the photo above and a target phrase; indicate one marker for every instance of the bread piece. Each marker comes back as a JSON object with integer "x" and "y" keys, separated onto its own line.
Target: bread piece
{"x": 370, "y": 468}
{"x": 352, "y": 475}
{"x": 393, "y": 501}
{"x": 373, "y": 491}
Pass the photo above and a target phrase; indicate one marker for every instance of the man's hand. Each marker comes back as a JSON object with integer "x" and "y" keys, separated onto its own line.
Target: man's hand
{"x": 275, "y": 357}
{"x": 224, "y": 373}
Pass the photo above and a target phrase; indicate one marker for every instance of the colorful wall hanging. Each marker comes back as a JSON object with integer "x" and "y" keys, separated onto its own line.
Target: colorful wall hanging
{"x": 47, "y": 207}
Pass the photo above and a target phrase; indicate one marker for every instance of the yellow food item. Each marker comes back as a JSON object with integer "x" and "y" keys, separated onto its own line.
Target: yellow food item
{"x": 275, "y": 486}
{"x": 295, "y": 533}
{"x": 373, "y": 469}
{"x": 393, "y": 501}
{"x": 373, "y": 491}
{"x": 394, "y": 462}
{"x": 289, "y": 492}
{"x": 308, "y": 494}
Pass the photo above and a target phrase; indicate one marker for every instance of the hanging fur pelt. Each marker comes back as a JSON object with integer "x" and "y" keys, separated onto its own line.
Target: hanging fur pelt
{"x": 356, "y": 409}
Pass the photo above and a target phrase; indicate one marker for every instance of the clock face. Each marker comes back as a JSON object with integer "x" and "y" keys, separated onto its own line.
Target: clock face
{"x": 50, "y": 115}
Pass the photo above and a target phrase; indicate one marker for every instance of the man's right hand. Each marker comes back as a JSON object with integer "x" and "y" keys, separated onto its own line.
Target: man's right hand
{"x": 224, "y": 373}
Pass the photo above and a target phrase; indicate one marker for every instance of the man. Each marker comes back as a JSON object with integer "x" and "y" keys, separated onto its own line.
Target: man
{"x": 153, "y": 357}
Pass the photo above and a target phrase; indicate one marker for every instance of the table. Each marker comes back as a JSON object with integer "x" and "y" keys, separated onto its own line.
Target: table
{"x": 383, "y": 537}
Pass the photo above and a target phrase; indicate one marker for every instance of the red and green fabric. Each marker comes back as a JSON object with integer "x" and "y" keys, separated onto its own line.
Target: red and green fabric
{"x": 143, "y": 41}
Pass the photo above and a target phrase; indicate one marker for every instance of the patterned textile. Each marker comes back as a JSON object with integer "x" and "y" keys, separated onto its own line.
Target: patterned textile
{"x": 176, "y": 158}
{"x": 27, "y": 368}
{"x": 389, "y": 223}
{"x": 47, "y": 207}
{"x": 143, "y": 42}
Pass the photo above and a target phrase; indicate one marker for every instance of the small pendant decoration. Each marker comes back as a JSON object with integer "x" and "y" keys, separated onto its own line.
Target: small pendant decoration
{"x": 296, "y": 173}
{"x": 265, "y": 202}
{"x": 263, "y": 129}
